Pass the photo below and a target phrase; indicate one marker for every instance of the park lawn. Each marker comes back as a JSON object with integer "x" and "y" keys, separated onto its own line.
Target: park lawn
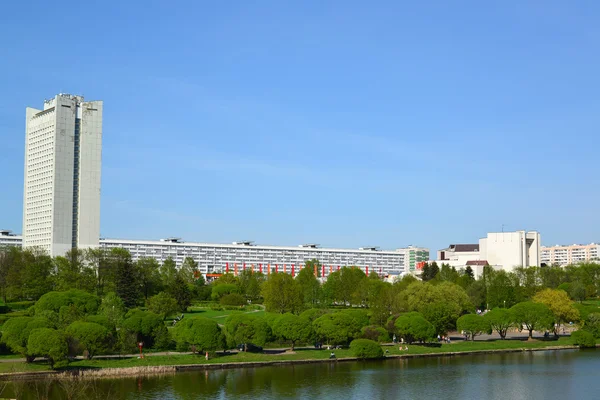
{"x": 181, "y": 359}
{"x": 20, "y": 366}
{"x": 217, "y": 315}
{"x": 478, "y": 346}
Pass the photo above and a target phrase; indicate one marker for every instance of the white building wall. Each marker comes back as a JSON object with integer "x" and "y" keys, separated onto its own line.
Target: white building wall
{"x": 90, "y": 158}
{"x": 62, "y": 218}
{"x": 508, "y": 250}
{"x": 55, "y": 198}
{"x": 216, "y": 257}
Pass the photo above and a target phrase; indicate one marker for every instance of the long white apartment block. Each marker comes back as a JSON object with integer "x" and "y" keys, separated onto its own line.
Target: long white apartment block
{"x": 235, "y": 257}
{"x": 7, "y": 238}
{"x": 572, "y": 254}
{"x": 63, "y": 152}
{"x": 218, "y": 258}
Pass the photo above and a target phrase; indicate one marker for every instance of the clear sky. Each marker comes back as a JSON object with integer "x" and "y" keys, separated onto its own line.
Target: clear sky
{"x": 344, "y": 123}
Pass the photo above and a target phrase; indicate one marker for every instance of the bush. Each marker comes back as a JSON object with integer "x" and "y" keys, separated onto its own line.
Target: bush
{"x": 365, "y": 348}
{"x": 375, "y": 333}
{"x": 232, "y": 299}
{"x": 87, "y": 303}
{"x": 583, "y": 339}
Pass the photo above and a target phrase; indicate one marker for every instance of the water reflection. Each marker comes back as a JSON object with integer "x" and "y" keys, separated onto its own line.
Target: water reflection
{"x": 528, "y": 375}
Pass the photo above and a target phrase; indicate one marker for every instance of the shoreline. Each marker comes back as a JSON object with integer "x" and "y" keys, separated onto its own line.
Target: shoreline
{"x": 128, "y": 372}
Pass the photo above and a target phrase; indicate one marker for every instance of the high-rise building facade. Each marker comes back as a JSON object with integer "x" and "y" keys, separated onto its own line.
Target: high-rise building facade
{"x": 63, "y": 152}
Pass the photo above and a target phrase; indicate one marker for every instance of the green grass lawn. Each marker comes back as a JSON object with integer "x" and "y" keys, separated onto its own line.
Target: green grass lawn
{"x": 217, "y": 315}
{"x": 8, "y": 367}
{"x": 309, "y": 354}
{"x": 478, "y": 345}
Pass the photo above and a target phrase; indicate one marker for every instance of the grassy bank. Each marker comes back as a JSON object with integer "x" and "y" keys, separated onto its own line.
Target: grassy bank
{"x": 298, "y": 355}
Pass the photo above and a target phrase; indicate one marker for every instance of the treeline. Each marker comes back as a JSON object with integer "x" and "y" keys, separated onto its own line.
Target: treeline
{"x": 29, "y": 274}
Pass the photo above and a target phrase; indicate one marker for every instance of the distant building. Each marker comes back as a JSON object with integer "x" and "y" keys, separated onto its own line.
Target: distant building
{"x": 9, "y": 239}
{"x": 218, "y": 258}
{"x": 573, "y": 254}
{"x": 63, "y": 151}
{"x": 501, "y": 250}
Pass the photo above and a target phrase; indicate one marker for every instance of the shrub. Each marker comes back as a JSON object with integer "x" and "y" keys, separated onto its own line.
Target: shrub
{"x": 87, "y": 303}
{"x": 365, "y": 348}
{"x": 162, "y": 304}
{"x": 583, "y": 339}
{"x": 49, "y": 343}
{"x": 232, "y": 299}
{"x": 375, "y": 333}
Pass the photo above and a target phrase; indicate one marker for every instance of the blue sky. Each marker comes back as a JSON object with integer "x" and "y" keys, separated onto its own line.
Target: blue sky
{"x": 343, "y": 123}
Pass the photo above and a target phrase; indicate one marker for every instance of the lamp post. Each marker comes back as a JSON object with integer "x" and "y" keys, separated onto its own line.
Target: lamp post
{"x": 140, "y": 345}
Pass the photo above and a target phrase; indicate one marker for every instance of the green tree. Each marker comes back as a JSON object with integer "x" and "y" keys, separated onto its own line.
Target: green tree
{"x": 100, "y": 262}
{"x": 168, "y": 272}
{"x": 113, "y": 308}
{"x": 336, "y": 328}
{"x": 281, "y": 294}
{"x": 346, "y": 286}
{"x": 71, "y": 272}
{"x": 199, "y": 334}
{"x": 413, "y": 327}
{"x": 15, "y": 333}
{"x": 469, "y": 273}
{"x": 49, "y": 343}
{"x": 86, "y": 302}
{"x": 127, "y": 279}
{"x": 37, "y": 274}
{"x": 534, "y": 316}
{"x": 559, "y": 304}
{"x": 309, "y": 287}
{"x": 250, "y": 284}
{"x": 375, "y": 333}
{"x": 92, "y": 337}
{"x": 245, "y": 328}
{"x": 189, "y": 270}
{"x": 577, "y": 291}
{"x": 146, "y": 326}
{"x": 472, "y": 325}
{"x": 500, "y": 320}
{"x": 501, "y": 290}
{"x": 162, "y": 304}
{"x": 448, "y": 274}
{"x": 221, "y": 289}
{"x": 150, "y": 278}
{"x": 181, "y": 292}
{"x": 292, "y": 327}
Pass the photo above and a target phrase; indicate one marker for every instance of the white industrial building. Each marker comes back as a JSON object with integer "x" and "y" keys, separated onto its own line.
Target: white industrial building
{"x": 500, "y": 250}
{"x": 572, "y": 254}
{"x": 63, "y": 151}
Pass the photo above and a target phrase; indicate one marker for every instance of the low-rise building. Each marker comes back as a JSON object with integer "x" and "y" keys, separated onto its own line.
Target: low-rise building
{"x": 7, "y": 238}
{"x": 501, "y": 250}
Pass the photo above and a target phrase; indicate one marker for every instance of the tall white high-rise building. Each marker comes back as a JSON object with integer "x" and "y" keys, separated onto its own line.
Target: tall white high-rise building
{"x": 63, "y": 152}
